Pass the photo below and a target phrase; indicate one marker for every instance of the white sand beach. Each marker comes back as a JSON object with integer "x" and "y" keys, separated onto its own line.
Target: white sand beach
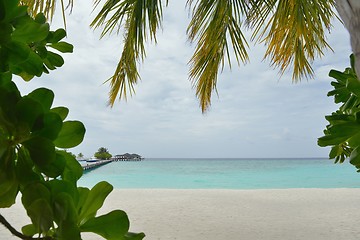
{"x": 289, "y": 214}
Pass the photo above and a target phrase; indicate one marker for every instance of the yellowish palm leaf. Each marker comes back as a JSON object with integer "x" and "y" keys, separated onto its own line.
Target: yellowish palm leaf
{"x": 141, "y": 18}
{"x": 47, "y": 7}
{"x": 293, "y": 31}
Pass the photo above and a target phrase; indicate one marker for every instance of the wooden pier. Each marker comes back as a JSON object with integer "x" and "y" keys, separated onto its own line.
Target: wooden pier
{"x": 92, "y": 165}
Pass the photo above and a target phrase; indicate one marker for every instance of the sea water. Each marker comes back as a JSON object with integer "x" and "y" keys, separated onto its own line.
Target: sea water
{"x": 216, "y": 173}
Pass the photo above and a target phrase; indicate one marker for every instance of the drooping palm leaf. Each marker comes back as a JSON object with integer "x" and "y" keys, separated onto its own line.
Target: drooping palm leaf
{"x": 47, "y": 7}
{"x": 141, "y": 20}
{"x": 293, "y": 31}
{"x": 215, "y": 25}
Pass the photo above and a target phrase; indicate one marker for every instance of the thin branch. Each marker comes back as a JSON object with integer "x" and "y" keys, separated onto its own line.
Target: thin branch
{"x": 4, "y": 222}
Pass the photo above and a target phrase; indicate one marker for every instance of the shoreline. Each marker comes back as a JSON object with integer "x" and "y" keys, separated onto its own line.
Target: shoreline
{"x": 211, "y": 214}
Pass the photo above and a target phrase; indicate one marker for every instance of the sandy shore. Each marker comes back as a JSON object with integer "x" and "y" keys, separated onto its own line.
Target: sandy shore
{"x": 311, "y": 214}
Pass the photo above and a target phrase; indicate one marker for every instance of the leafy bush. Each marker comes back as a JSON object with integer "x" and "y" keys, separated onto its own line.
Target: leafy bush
{"x": 33, "y": 134}
{"x": 343, "y": 131}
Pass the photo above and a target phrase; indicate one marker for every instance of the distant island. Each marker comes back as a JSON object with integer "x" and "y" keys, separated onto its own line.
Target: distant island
{"x": 127, "y": 157}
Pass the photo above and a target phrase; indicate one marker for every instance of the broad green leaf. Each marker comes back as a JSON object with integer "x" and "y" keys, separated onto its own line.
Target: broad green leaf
{"x": 335, "y": 151}
{"x": 353, "y": 85}
{"x": 48, "y": 126}
{"x": 29, "y": 230}
{"x": 63, "y": 47}
{"x": 338, "y": 75}
{"x": 44, "y": 96}
{"x": 41, "y": 214}
{"x": 30, "y": 31}
{"x": 56, "y": 36}
{"x": 83, "y": 195}
{"x": 64, "y": 208}
{"x": 40, "y": 18}
{"x": 61, "y": 186}
{"x": 61, "y": 111}
{"x": 42, "y": 152}
{"x": 329, "y": 140}
{"x": 28, "y": 111}
{"x": 344, "y": 130}
{"x": 8, "y": 195}
{"x": 354, "y": 141}
{"x": 355, "y": 157}
{"x": 18, "y": 52}
{"x": 68, "y": 230}
{"x": 33, "y": 64}
{"x": 56, "y": 167}
{"x": 73, "y": 170}
{"x": 33, "y": 192}
{"x": 5, "y": 33}
{"x": 71, "y": 134}
{"x": 55, "y": 59}
{"x": 9, "y": 96}
{"x": 24, "y": 168}
{"x": 13, "y": 10}
{"x": 9, "y": 186}
{"x": 94, "y": 201}
{"x": 111, "y": 226}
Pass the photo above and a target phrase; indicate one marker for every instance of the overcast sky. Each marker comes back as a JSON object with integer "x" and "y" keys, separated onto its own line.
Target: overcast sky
{"x": 257, "y": 113}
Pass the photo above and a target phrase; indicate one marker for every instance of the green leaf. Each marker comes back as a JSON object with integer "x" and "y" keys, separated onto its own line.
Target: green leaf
{"x": 355, "y": 157}
{"x": 94, "y": 201}
{"x": 73, "y": 170}
{"x": 56, "y": 36}
{"x": 63, "y": 47}
{"x": 30, "y": 31}
{"x": 49, "y": 126}
{"x": 33, "y": 192}
{"x": 29, "y": 230}
{"x": 61, "y": 186}
{"x": 28, "y": 111}
{"x": 61, "y": 111}
{"x": 24, "y": 167}
{"x": 67, "y": 231}
{"x": 330, "y": 140}
{"x": 342, "y": 77}
{"x": 353, "y": 85}
{"x": 32, "y": 66}
{"x": 9, "y": 186}
{"x": 71, "y": 134}
{"x": 111, "y": 226}
{"x": 18, "y": 52}
{"x": 354, "y": 141}
{"x": 65, "y": 208}
{"x": 42, "y": 152}
{"x": 83, "y": 195}
{"x": 134, "y": 236}
{"x": 40, "y": 18}
{"x": 44, "y": 96}
{"x": 335, "y": 151}
{"x": 56, "y": 167}
{"x": 55, "y": 59}
{"x": 41, "y": 214}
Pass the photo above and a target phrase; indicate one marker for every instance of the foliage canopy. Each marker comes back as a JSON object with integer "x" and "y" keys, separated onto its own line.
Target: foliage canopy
{"x": 33, "y": 134}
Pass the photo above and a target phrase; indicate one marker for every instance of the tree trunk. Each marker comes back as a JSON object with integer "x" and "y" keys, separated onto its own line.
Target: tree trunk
{"x": 349, "y": 12}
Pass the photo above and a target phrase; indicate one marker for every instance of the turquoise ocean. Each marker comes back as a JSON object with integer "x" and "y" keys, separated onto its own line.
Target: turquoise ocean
{"x": 217, "y": 173}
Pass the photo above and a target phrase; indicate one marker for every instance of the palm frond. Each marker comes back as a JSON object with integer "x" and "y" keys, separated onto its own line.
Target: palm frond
{"x": 293, "y": 31}
{"x": 47, "y": 7}
{"x": 215, "y": 25}
{"x": 141, "y": 19}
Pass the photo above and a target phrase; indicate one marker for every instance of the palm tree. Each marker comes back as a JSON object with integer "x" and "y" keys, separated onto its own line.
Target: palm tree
{"x": 293, "y": 31}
